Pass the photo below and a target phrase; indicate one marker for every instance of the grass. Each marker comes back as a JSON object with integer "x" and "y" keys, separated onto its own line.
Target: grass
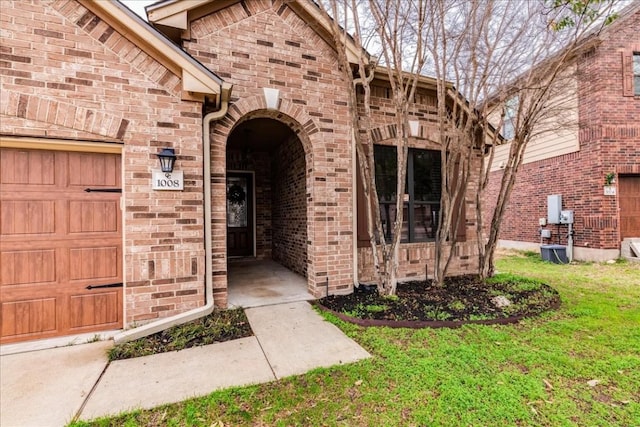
{"x": 535, "y": 373}
{"x": 219, "y": 326}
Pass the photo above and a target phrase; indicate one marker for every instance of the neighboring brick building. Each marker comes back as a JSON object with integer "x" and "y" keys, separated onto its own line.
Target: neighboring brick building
{"x": 91, "y": 93}
{"x": 575, "y": 163}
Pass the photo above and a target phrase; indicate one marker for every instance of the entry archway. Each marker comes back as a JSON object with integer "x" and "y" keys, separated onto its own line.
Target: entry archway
{"x": 266, "y": 206}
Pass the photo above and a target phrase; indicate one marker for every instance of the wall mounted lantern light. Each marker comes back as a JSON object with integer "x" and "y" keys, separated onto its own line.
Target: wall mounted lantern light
{"x": 167, "y": 159}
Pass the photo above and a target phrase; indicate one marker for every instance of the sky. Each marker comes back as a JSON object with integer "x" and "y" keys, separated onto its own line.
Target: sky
{"x": 138, "y": 6}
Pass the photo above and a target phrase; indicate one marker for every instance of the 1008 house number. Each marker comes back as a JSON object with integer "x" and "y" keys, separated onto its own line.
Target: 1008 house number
{"x": 167, "y": 181}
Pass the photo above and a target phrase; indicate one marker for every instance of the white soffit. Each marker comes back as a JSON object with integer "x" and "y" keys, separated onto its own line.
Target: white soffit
{"x": 178, "y": 20}
{"x": 165, "y": 10}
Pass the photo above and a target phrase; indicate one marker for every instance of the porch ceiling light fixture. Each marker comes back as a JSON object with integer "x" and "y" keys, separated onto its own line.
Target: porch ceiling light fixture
{"x": 167, "y": 159}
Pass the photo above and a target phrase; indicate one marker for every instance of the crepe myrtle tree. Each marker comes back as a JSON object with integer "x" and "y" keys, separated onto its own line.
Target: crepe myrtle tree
{"x": 513, "y": 64}
{"x": 395, "y": 30}
{"x": 489, "y": 57}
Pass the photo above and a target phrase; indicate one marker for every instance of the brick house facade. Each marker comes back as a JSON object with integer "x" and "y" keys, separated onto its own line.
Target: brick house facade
{"x": 606, "y": 140}
{"x": 90, "y": 79}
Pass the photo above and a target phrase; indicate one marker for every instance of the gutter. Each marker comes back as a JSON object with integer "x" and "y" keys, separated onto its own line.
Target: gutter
{"x": 205, "y": 310}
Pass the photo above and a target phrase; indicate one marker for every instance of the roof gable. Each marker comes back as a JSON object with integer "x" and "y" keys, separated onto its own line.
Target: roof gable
{"x": 198, "y": 82}
{"x": 173, "y": 18}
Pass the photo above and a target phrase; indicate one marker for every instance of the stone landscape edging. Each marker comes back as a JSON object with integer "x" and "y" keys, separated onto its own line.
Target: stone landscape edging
{"x": 434, "y": 324}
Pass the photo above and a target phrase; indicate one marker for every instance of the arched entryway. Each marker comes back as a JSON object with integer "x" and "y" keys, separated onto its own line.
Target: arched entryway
{"x": 266, "y": 211}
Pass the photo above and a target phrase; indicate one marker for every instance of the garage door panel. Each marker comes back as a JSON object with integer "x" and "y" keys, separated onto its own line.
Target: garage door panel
{"x": 93, "y": 216}
{"x": 22, "y": 267}
{"x": 55, "y": 240}
{"x": 28, "y": 167}
{"x": 90, "y": 170}
{"x": 94, "y": 263}
{"x": 94, "y": 309}
{"x": 28, "y": 217}
{"x": 29, "y": 317}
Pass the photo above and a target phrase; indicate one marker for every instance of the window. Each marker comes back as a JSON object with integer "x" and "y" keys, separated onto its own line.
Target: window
{"x": 422, "y": 198}
{"x": 636, "y": 73}
{"x": 509, "y": 122}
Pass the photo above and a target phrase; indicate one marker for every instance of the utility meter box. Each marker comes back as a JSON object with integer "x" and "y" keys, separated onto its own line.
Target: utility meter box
{"x": 566, "y": 217}
{"x": 554, "y": 206}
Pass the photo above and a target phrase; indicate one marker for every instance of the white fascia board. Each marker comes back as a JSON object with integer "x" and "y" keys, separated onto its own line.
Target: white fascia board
{"x": 192, "y": 83}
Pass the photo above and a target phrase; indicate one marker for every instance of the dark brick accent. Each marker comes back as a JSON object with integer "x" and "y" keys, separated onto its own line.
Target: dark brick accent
{"x": 79, "y": 53}
{"x": 124, "y": 124}
{"x": 168, "y": 125}
{"x": 48, "y": 33}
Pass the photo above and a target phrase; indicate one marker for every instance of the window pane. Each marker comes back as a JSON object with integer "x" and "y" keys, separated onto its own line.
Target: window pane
{"x": 511, "y": 107}
{"x": 508, "y": 132}
{"x": 636, "y": 64}
{"x": 425, "y": 221}
{"x": 426, "y": 176}
{"x": 510, "y": 113}
{"x": 236, "y": 202}
{"x": 388, "y": 217}
{"x": 386, "y": 172}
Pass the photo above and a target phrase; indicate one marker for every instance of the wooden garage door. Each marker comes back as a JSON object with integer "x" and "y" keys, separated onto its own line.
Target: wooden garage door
{"x": 60, "y": 246}
{"x": 629, "y": 198}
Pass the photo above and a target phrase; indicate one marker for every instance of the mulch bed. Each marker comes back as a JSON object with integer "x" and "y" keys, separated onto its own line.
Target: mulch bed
{"x": 460, "y": 300}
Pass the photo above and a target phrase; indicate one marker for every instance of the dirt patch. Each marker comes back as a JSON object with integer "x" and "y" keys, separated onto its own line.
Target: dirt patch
{"x": 462, "y": 299}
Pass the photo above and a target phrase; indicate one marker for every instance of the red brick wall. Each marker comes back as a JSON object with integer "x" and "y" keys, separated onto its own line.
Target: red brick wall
{"x": 263, "y": 45}
{"x": 65, "y": 73}
{"x": 609, "y": 136}
{"x": 290, "y": 207}
{"x": 417, "y": 259}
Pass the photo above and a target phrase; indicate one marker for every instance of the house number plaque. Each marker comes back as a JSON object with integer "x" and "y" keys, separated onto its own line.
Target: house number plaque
{"x": 167, "y": 180}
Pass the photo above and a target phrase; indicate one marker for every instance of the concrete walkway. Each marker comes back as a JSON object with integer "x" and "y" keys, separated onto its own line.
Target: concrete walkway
{"x": 50, "y": 387}
{"x": 254, "y": 283}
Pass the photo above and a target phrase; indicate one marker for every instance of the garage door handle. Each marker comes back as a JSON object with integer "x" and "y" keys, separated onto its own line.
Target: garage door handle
{"x": 110, "y": 285}
{"x": 103, "y": 190}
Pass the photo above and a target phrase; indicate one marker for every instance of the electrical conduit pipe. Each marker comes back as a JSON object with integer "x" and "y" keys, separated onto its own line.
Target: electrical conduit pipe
{"x": 162, "y": 324}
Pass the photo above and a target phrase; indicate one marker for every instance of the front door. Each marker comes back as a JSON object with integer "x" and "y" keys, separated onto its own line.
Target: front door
{"x": 239, "y": 214}
{"x": 629, "y": 198}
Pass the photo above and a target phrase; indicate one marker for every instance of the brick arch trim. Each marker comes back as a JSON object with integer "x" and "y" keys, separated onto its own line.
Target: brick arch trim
{"x": 36, "y": 108}
{"x": 390, "y": 131}
{"x": 289, "y": 113}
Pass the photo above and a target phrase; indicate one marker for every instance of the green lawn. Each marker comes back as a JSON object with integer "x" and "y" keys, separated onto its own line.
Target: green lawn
{"x": 536, "y": 373}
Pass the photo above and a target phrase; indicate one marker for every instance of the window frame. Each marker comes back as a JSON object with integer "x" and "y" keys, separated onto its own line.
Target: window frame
{"x": 410, "y": 205}
{"x": 635, "y": 72}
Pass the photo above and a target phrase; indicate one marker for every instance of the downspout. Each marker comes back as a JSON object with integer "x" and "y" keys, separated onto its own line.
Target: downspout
{"x": 162, "y": 324}
{"x": 354, "y": 209}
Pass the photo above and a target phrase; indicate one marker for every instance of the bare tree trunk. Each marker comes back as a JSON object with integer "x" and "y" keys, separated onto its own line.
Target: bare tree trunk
{"x": 365, "y": 70}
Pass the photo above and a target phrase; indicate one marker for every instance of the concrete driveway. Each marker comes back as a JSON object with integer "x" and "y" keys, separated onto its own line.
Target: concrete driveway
{"x": 48, "y": 387}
